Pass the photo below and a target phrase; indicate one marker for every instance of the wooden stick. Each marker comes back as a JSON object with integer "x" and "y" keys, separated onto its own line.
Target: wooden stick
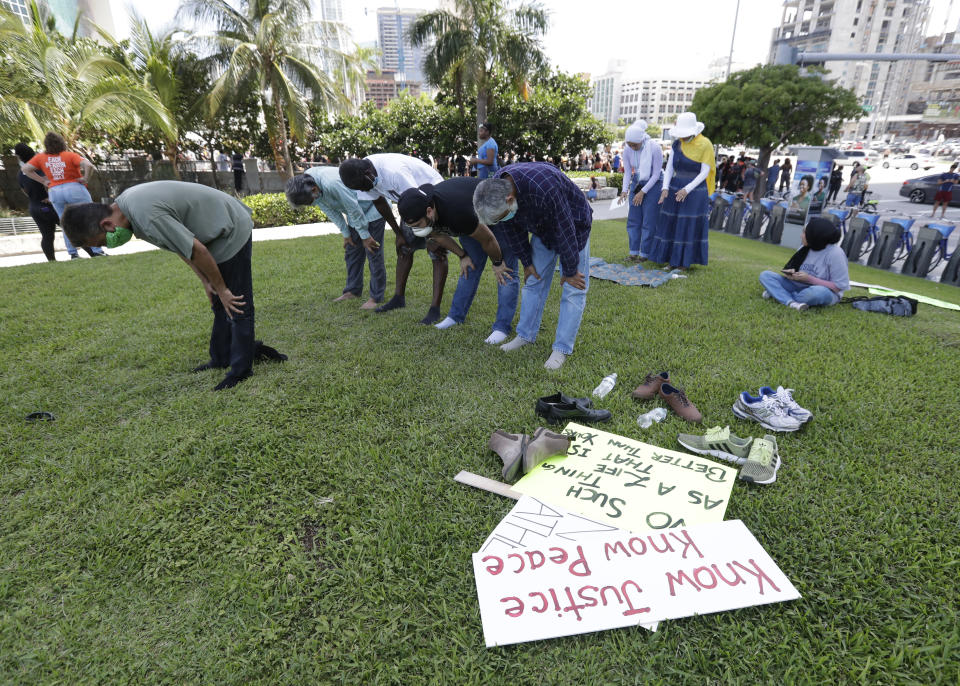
{"x": 485, "y": 484}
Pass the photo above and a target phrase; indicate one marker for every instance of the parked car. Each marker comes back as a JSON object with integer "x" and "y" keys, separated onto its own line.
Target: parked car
{"x": 923, "y": 188}
{"x": 909, "y": 160}
{"x": 867, "y": 158}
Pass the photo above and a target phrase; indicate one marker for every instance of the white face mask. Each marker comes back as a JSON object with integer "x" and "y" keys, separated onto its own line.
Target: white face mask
{"x": 422, "y": 232}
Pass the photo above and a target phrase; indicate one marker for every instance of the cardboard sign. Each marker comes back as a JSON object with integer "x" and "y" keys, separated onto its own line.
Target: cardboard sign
{"x": 535, "y": 524}
{"x": 631, "y": 485}
{"x": 622, "y": 579}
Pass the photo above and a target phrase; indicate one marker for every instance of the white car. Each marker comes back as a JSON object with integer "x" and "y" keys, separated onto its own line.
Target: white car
{"x": 910, "y": 160}
{"x": 867, "y": 158}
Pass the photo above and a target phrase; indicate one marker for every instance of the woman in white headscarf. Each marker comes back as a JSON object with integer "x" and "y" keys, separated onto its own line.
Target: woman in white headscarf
{"x": 642, "y": 171}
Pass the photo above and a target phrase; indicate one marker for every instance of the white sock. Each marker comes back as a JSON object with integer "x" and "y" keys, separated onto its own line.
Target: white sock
{"x": 496, "y": 338}
{"x": 446, "y": 323}
{"x": 514, "y": 344}
{"x": 556, "y": 360}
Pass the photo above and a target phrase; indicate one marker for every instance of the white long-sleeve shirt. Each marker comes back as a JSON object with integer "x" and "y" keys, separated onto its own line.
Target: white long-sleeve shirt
{"x": 647, "y": 162}
{"x": 698, "y": 179}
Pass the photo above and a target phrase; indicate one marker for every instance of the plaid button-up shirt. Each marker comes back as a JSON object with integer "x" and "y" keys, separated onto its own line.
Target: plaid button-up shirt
{"x": 552, "y": 207}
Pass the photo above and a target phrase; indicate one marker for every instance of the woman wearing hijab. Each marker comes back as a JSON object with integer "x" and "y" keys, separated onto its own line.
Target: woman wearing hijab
{"x": 642, "y": 169}
{"x": 681, "y": 235}
{"x": 816, "y": 275}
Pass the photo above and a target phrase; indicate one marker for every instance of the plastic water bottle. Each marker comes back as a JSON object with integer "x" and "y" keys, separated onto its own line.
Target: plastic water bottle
{"x": 657, "y": 414}
{"x": 606, "y": 385}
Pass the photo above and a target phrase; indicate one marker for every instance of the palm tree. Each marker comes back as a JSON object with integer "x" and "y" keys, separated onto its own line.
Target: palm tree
{"x": 476, "y": 39}
{"x": 154, "y": 56}
{"x": 272, "y": 46}
{"x": 65, "y": 85}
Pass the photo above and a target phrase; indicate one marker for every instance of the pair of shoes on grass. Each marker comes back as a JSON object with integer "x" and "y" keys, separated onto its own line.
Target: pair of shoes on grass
{"x": 262, "y": 353}
{"x": 758, "y": 457}
{"x": 558, "y": 408}
{"x": 522, "y": 452}
{"x": 775, "y": 410}
{"x": 658, "y": 385}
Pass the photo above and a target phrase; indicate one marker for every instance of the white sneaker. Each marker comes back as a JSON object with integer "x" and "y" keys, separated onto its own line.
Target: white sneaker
{"x": 784, "y": 396}
{"x": 766, "y": 294}
{"x": 766, "y": 411}
{"x": 495, "y": 338}
{"x": 800, "y": 307}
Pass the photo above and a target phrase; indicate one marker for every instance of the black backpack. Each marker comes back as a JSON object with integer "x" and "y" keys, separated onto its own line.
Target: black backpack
{"x": 897, "y": 305}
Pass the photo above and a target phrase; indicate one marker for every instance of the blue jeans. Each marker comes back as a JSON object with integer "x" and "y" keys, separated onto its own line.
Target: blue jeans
{"x": 485, "y": 171}
{"x": 642, "y": 218}
{"x": 356, "y": 255}
{"x": 785, "y": 291}
{"x": 467, "y": 286}
{"x": 68, "y": 194}
{"x": 572, "y": 300}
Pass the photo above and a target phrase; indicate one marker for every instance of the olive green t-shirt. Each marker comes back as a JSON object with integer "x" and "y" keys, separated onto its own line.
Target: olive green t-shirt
{"x": 170, "y": 214}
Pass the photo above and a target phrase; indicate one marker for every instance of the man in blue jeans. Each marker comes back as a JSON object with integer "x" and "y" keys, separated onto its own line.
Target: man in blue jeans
{"x": 536, "y": 198}
{"x": 446, "y": 209}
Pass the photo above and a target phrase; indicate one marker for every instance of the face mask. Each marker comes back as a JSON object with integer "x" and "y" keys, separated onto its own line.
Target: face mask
{"x": 509, "y": 215}
{"x": 118, "y": 237}
{"x": 422, "y": 232}
{"x": 376, "y": 180}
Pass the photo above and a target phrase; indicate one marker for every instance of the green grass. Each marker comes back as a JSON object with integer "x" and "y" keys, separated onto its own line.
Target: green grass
{"x": 305, "y": 528}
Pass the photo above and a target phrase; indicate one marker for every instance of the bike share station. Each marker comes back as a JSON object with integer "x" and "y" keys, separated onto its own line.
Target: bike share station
{"x": 886, "y": 240}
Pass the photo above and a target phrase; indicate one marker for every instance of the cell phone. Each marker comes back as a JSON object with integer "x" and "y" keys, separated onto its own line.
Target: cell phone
{"x": 789, "y": 272}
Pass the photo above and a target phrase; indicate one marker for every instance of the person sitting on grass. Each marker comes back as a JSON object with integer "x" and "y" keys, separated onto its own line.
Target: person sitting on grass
{"x": 816, "y": 275}
{"x": 446, "y": 210}
{"x": 362, "y": 229}
{"x": 210, "y": 231}
{"x": 381, "y": 179}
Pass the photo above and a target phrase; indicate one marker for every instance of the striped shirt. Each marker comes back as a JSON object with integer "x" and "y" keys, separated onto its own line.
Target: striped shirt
{"x": 550, "y": 206}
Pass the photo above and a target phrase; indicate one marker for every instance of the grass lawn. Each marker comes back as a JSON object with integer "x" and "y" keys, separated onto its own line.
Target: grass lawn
{"x": 305, "y": 527}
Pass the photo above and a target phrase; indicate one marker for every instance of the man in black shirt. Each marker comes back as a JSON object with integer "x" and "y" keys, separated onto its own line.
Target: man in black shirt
{"x": 445, "y": 210}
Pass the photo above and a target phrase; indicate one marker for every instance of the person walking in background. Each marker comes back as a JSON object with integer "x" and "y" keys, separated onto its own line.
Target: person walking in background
{"x": 486, "y": 159}
{"x": 39, "y": 203}
{"x": 65, "y": 176}
{"x": 944, "y": 195}
{"x": 362, "y": 230}
{"x": 785, "y": 171}
{"x": 773, "y": 175}
{"x": 544, "y": 216}
{"x": 836, "y": 181}
{"x": 681, "y": 236}
{"x": 750, "y": 177}
{"x": 238, "y": 172}
{"x": 642, "y": 172}
{"x": 857, "y": 188}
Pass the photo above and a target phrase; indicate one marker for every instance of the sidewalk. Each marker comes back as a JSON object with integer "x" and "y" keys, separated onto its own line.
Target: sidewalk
{"x": 26, "y": 242}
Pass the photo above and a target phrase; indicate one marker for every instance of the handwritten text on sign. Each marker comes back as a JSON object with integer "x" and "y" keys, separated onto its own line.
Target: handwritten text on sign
{"x": 574, "y": 588}
{"x": 536, "y": 525}
{"x": 629, "y": 484}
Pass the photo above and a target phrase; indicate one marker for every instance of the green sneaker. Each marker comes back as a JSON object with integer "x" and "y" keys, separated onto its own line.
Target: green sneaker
{"x": 764, "y": 461}
{"x": 718, "y": 442}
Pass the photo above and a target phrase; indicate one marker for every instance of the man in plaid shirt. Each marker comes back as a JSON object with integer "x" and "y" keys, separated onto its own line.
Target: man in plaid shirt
{"x": 536, "y": 198}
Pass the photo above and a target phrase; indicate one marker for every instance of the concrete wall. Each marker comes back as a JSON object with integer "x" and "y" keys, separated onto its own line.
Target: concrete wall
{"x": 109, "y": 183}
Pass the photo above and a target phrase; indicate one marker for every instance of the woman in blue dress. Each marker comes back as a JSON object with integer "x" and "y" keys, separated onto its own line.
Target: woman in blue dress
{"x": 681, "y": 236}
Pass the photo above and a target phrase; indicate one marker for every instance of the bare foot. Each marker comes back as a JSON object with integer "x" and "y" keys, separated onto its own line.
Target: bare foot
{"x": 346, "y": 296}
{"x": 369, "y": 305}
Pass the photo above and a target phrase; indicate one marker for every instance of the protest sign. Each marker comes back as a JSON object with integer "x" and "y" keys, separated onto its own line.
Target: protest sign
{"x": 629, "y": 484}
{"x": 622, "y": 579}
{"x": 537, "y": 525}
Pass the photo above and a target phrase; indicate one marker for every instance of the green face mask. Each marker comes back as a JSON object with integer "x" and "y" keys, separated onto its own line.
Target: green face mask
{"x": 118, "y": 237}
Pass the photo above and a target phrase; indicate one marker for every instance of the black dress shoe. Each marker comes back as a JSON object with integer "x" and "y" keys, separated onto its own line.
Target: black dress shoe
{"x": 563, "y": 398}
{"x": 555, "y": 410}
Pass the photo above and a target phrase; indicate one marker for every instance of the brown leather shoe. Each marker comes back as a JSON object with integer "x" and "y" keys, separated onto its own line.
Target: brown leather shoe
{"x": 650, "y": 386}
{"x": 677, "y": 401}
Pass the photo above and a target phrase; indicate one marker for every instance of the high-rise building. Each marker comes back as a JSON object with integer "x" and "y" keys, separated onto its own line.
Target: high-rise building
{"x": 860, "y": 26}
{"x": 656, "y": 101}
{"x": 387, "y": 86}
{"x": 396, "y": 53}
{"x": 934, "y": 100}
{"x": 65, "y": 12}
{"x": 606, "y": 92}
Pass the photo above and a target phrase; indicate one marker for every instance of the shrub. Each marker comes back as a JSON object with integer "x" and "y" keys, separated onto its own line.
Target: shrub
{"x": 272, "y": 209}
{"x": 614, "y": 179}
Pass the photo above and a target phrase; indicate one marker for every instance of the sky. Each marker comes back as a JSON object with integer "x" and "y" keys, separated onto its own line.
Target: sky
{"x": 586, "y": 40}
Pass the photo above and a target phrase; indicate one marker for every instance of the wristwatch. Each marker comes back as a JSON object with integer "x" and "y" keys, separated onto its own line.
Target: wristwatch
{"x": 497, "y": 263}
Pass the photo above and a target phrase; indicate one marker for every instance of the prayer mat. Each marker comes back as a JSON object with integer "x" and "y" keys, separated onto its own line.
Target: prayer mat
{"x": 628, "y": 275}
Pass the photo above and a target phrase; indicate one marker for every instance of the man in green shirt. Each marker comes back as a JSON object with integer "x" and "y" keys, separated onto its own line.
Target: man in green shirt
{"x": 210, "y": 231}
